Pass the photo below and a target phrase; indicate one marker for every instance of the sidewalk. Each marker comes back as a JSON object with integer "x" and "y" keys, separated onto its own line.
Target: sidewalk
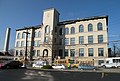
{"x": 110, "y": 70}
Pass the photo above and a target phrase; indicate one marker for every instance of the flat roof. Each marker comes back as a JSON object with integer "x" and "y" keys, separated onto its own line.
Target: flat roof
{"x": 83, "y": 19}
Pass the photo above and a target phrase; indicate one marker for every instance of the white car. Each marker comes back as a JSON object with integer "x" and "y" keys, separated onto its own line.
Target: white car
{"x": 58, "y": 66}
{"x": 39, "y": 64}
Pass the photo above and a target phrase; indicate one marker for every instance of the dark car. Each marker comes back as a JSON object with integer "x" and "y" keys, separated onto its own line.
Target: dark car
{"x": 12, "y": 64}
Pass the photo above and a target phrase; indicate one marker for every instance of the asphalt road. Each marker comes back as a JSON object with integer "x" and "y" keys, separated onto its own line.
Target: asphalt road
{"x": 37, "y": 75}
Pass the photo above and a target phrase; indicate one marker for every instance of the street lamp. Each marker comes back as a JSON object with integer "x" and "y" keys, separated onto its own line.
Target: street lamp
{"x": 26, "y": 44}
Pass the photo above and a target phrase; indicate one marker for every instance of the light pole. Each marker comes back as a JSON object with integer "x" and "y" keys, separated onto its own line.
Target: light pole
{"x": 26, "y": 45}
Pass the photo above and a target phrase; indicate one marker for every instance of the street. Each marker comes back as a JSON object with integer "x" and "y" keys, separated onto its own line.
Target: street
{"x": 38, "y": 75}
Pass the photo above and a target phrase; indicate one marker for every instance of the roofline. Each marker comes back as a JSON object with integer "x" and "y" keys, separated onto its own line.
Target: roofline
{"x": 29, "y": 27}
{"x": 84, "y": 19}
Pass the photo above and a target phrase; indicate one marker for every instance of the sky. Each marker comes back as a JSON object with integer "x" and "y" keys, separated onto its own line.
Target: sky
{"x": 20, "y": 13}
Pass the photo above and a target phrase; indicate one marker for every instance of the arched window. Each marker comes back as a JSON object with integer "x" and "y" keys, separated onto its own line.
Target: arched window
{"x": 99, "y": 26}
{"x": 23, "y": 35}
{"x": 47, "y": 29}
{"x": 18, "y": 35}
{"x": 90, "y": 27}
{"x": 39, "y": 34}
{"x": 66, "y": 30}
{"x": 72, "y": 30}
{"x": 81, "y": 28}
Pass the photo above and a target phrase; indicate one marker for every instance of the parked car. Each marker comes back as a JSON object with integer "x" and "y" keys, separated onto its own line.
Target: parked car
{"x": 11, "y": 64}
{"x": 87, "y": 67}
{"x": 61, "y": 66}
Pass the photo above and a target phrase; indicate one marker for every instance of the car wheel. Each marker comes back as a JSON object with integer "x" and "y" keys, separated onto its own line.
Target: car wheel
{"x": 104, "y": 66}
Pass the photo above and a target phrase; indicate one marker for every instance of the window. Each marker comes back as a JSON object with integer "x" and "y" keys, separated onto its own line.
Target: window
{"x": 66, "y": 30}
{"x": 99, "y": 26}
{"x": 35, "y": 43}
{"x": 18, "y": 35}
{"x": 66, "y": 52}
{"x": 81, "y": 40}
{"x": 72, "y": 30}
{"x": 100, "y": 51}
{"x": 90, "y": 51}
{"x": 90, "y": 27}
{"x": 38, "y": 44}
{"x": 46, "y": 39}
{"x": 28, "y": 36}
{"x": 100, "y": 38}
{"x": 21, "y": 54}
{"x": 72, "y": 41}
{"x": 66, "y": 41}
{"x": 61, "y": 31}
{"x": 22, "y": 43}
{"x": 72, "y": 52}
{"x": 39, "y": 34}
{"x": 28, "y": 43}
{"x": 16, "y": 52}
{"x": 81, "y": 52}
{"x": 38, "y": 52}
{"x": 61, "y": 41}
{"x": 35, "y": 34}
{"x": 47, "y": 29}
{"x": 34, "y": 52}
{"x": 23, "y": 35}
{"x": 90, "y": 39}
{"x": 81, "y": 28}
{"x": 18, "y": 44}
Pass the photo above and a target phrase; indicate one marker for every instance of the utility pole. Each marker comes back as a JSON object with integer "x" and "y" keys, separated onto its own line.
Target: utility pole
{"x": 26, "y": 45}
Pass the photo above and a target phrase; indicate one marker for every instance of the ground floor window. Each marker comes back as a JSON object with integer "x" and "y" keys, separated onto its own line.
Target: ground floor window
{"x": 66, "y": 52}
{"x": 100, "y": 51}
{"x": 72, "y": 52}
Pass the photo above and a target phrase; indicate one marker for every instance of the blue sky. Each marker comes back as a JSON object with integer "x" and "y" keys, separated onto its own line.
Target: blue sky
{"x": 20, "y": 13}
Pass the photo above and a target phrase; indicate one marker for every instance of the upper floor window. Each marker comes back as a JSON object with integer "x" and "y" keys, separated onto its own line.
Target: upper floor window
{"x": 72, "y": 41}
{"x": 22, "y": 43}
{"x": 90, "y": 52}
{"x": 35, "y": 34}
{"x": 90, "y": 39}
{"x": 47, "y": 29}
{"x": 18, "y": 44}
{"x": 66, "y": 41}
{"x": 66, "y": 30}
{"x": 100, "y": 38}
{"x": 23, "y": 35}
{"x": 61, "y": 31}
{"x": 81, "y": 28}
{"x": 18, "y": 35}
{"x": 72, "y": 30}
{"x": 39, "y": 34}
{"x": 100, "y": 51}
{"x": 38, "y": 44}
{"x": 81, "y": 40}
{"x": 81, "y": 52}
{"x": 46, "y": 39}
{"x": 90, "y": 27}
{"x": 99, "y": 26}
{"x": 35, "y": 43}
